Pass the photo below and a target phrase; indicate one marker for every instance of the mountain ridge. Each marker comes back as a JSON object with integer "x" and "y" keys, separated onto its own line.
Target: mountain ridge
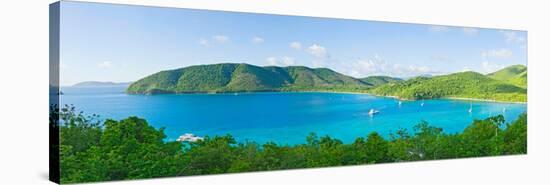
{"x": 242, "y": 77}
{"x": 515, "y": 74}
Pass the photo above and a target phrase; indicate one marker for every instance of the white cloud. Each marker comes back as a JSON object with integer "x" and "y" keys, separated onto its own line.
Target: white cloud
{"x": 288, "y": 61}
{"x": 437, "y": 28}
{"x": 512, "y": 36}
{"x": 378, "y": 66}
{"x": 105, "y": 64}
{"x": 214, "y": 39}
{"x": 257, "y": 40}
{"x": 271, "y": 61}
{"x": 203, "y": 42}
{"x": 488, "y": 67}
{"x": 284, "y": 61}
{"x": 296, "y": 45}
{"x": 318, "y": 51}
{"x": 497, "y": 53}
{"x": 470, "y": 31}
{"x": 220, "y": 38}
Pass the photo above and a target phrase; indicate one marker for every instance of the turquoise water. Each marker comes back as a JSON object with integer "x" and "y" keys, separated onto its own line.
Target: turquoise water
{"x": 284, "y": 118}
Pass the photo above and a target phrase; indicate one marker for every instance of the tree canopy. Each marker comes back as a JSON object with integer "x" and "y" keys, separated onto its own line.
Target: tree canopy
{"x": 130, "y": 148}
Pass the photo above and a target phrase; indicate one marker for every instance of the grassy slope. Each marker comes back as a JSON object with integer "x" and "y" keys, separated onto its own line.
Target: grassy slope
{"x": 461, "y": 85}
{"x": 516, "y": 75}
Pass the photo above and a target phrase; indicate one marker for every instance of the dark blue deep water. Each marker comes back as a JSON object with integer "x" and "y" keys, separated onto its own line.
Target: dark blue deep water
{"x": 284, "y": 118}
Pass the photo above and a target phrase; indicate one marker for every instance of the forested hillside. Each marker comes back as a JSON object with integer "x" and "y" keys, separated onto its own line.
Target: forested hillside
{"x": 508, "y": 84}
{"x": 459, "y": 85}
{"x": 243, "y": 78}
{"x": 380, "y": 80}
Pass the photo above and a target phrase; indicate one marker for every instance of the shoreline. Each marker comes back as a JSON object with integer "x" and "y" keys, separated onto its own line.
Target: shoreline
{"x": 340, "y": 92}
{"x": 483, "y": 100}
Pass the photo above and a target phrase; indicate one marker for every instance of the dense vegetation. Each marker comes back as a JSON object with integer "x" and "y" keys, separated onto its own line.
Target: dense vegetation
{"x": 231, "y": 77}
{"x": 91, "y": 150}
{"x": 457, "y": 85}
{"x": 508, "y": 84}
{"x": 380, "y": 80}
{"x": 516, "y": 75}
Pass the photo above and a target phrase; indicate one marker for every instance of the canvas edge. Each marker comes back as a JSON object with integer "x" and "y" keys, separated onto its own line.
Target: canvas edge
{"x": 54, "y": 53}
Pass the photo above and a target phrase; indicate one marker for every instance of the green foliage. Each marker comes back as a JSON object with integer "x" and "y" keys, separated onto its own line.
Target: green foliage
{"x": 78, "y": 131}
{"x": 132, "y": 149}
{"x": 231, "y": 77}
{"x": 482, "y": 137}
{"x": 376, "y": 149}
{"x": 515, "y": 136}
{"x": 457, "y": 85}
{"x": 516, "y": 75}
{"x": 380, "y": 80}
{"x": 505, "y": 85}
{"x": 125, "y": 149}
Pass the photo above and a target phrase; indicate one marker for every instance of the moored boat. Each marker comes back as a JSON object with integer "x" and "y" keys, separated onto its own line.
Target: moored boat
{"x": 188, "y": 137}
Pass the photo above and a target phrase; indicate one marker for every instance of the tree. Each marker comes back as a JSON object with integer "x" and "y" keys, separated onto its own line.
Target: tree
{"x": 330, "y": 152}
{"x": 210, "y": 156}
{"x": 376, "y": 148}
{"x": 427, "y": 140}
{"x": 78, "y": 131}
{"x": 481, "y": 138}
{"x": 515, "y": 136}
{"x": 400, "y": 146}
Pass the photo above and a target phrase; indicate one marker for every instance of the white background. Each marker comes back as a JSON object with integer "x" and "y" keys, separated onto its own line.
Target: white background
{"x": 24, "y": 79}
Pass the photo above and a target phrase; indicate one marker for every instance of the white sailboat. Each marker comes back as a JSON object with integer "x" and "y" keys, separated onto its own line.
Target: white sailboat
{"x": 372, "y": 112}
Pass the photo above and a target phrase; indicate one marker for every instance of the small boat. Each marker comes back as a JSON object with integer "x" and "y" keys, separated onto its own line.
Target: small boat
{"x": 470, "y": 110}
{"x": 400, "y": 102}
{"x": 372, "y": 112}
{"x": 188, "y": 137}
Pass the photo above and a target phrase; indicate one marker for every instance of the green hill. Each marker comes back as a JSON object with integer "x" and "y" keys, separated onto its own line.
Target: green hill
{"x": 230, "y": 77}
{"x": 459, "y": 85}
{"x": 516, "y": 75}
{"x": 379, "y": 80}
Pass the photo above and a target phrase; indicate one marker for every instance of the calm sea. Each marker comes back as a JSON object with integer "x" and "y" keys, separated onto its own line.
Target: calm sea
{"x": 284, "y": 118}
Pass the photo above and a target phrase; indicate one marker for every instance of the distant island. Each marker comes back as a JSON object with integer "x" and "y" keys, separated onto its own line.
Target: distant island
{"x": 508, "y": 84}
{"x": 100, "y": 84}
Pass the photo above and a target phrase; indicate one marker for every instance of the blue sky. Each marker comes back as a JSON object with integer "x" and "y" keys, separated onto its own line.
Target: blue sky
{"x": 119, "y": 43}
